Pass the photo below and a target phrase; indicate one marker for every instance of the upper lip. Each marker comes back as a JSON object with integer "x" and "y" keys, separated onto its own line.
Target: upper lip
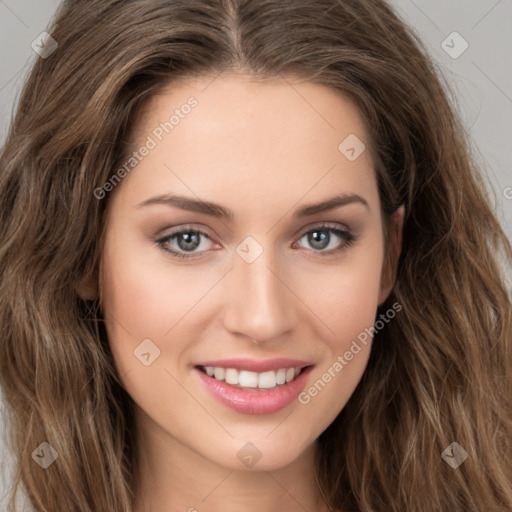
{"x": 255, "y": 365}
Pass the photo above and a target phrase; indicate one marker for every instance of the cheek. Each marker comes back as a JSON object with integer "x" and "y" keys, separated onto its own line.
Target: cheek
{"x": 347, "y": 299}
{"x": 134, "y": 304}
{"x": 140, "y": 307}
{"x": 345, "y": 296}
{"x": 143, "y": 297}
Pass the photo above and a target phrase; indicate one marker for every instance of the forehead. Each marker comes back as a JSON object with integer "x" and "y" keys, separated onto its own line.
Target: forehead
{"x": 242, "y": 107}
{"x": 245, "y": 137}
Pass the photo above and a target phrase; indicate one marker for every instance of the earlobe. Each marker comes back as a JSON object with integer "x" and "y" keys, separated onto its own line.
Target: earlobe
{"x": 87, "y": 288}
{"x": 393, "y": 252}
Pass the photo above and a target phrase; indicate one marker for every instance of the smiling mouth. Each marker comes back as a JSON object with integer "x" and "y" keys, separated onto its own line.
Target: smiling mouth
{"x": 245, "y": 379}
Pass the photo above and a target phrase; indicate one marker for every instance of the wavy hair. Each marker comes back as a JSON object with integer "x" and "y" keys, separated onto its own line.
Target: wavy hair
{"x": 440, "y": 372}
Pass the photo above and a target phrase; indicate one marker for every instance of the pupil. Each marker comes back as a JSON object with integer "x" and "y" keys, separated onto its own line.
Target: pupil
{"x": 191, "y": 240}
{"x": 319, "y": 244}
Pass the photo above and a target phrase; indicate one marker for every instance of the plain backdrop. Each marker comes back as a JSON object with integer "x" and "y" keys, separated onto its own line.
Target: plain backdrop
{"x": 480, "y": 76}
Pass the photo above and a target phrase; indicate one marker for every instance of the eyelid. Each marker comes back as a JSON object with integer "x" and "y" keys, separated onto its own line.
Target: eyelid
{"x": 341, "y": 231}
{"x": 326, "y": 226}
{"x": 205, "y": 231}
{"x": 321, "y": 224}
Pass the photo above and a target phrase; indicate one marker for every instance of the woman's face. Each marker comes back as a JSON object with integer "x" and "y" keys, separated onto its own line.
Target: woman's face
{"x": 277, "y": 278}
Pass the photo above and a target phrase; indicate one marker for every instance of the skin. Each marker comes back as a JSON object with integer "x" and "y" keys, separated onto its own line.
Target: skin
{"x": 261, "y": 149}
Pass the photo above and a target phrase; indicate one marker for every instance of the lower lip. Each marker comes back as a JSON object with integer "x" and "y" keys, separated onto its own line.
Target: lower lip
{"x": 255, "y": 401}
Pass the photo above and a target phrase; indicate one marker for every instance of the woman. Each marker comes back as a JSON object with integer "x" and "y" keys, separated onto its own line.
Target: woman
{"x": 248, "y": 263}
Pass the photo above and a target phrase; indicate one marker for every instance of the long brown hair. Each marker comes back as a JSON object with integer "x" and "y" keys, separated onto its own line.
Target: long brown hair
{"x": 440, "y": 372}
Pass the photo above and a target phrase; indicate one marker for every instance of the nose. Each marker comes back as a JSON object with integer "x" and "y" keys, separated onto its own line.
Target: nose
{"x": 258, "y": 301}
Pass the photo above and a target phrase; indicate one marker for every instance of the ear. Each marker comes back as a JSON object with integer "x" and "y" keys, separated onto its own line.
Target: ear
{"x": 87, "y": 288}
{"x": 392, "y": 254}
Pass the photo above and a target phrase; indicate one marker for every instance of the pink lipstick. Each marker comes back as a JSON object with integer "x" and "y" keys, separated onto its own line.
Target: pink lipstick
{"x": 255, "y": 400}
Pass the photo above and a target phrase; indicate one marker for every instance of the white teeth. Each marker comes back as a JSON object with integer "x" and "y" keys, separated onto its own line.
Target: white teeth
{"x": 219, "y": 373}
{"x": 281, "y": 376}
{"x": 247, "y": 379}
{"x": 231, "y": 376}
{"x": 267, "y": 380}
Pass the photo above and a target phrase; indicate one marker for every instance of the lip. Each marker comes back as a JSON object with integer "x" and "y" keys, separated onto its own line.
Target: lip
{"x": 253, "y": 365}
{"x": 254, "y": 401}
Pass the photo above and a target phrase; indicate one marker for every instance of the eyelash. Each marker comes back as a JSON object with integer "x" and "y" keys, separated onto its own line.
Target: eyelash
{"x": 348, "y": 237}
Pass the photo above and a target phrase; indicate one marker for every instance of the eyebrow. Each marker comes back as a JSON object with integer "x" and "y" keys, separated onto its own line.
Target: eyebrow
{"x": 220, "y": 212}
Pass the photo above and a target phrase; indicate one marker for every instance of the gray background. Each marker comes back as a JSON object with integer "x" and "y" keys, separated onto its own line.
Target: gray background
{"x": 480, "y": 78}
